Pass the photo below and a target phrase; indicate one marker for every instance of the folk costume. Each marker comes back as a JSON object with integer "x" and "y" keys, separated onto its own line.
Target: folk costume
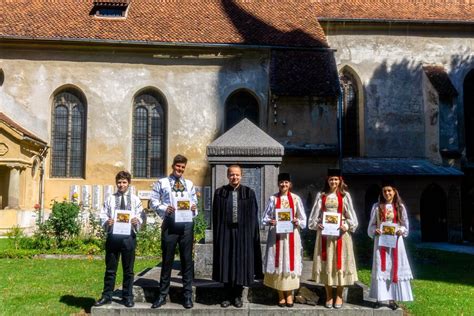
{"x": 283, "y": 259}
{"x": 164, "y": 191}
{"x": 237, "y": 258}
{"x": 120, "y": 245}
{"x": 391, "y": 273}
{"x": 334, "y": 262}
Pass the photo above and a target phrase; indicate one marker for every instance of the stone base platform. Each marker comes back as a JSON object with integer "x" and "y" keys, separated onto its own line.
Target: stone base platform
{"x": 258, "y": 299}
{"x": 253, "y": 309}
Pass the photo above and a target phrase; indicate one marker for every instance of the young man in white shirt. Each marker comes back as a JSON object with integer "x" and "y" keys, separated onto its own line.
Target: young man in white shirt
{"x": 166, "y": 192}
{"x": 118, "y": 245}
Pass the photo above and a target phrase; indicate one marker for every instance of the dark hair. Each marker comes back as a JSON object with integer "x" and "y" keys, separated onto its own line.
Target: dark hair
{"x": 179, "y": 159}
{"x": 397, "y": 200}
{"x": 342, "y": 187}
{"x": 123, "y": 175}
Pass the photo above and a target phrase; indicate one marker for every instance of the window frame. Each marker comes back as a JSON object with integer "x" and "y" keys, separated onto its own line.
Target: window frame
{"x": 160, "y": 107}
{"x": 73, "y": 99}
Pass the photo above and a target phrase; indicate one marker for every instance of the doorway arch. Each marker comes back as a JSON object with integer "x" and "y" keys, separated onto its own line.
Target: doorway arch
{"x": 434, "y": 214}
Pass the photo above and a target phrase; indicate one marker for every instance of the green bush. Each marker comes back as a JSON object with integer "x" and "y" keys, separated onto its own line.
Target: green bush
{"x": 200, "y": 226}
{"x": 64, "y": 220}
{"x": 149, "y": 240}
{"x": 15, "y": 234}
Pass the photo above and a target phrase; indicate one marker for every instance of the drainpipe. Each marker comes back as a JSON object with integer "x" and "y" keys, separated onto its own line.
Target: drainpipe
{"x": 42, "y": 157}
{"x": 339, "y": 125}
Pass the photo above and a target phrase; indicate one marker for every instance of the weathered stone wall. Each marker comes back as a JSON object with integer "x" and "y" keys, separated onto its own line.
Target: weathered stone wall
{"x": 195, "y": 85}
{"x": 388, "y": 59}
{"x": 432, "y": 120}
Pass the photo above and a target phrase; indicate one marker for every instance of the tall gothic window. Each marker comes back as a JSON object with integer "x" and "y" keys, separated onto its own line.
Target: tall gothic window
{"x": 68, "y": 135}
{"x": 468, "y": 88}
{"x": 240, "y": 105}
{"x": 350, "y": 117}
{"x": 148, "y": 136}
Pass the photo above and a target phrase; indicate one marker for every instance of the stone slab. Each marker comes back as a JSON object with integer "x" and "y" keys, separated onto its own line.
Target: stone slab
{"x": 144, "y": 309}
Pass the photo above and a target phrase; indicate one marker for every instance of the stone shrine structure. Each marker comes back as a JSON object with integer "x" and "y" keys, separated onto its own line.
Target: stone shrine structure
{"x": 260, "y": 157}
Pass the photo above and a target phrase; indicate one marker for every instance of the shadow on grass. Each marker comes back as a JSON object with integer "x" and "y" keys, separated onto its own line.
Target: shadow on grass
{"x": 83, "y": 302}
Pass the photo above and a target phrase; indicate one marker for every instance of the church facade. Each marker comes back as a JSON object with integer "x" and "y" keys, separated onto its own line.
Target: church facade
{"x": 108, "y": 85}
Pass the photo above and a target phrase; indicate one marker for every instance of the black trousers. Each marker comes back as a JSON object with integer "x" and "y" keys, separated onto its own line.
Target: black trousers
{"x": 115, "y": 246}
{"x": 181, "y": 234}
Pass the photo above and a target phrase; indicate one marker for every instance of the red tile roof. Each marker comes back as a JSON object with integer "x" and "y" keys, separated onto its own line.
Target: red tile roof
{"x": 397, "y": 10}
{"x": 252, "y": 22}
{"x": 19, "y": 128}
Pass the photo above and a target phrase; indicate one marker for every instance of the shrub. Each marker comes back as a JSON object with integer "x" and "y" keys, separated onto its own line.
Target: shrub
{"x": 200, "y": 226}
{"x": 149, "y": 240}
{"x": 15, "y": 234}
{"x": 64, "y": 220}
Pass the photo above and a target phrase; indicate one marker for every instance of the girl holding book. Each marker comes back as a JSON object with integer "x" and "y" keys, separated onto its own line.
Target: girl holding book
{"x": 391, "y": 273}
{"x": 283, "y": 260}
{"x": 333, "y": 261}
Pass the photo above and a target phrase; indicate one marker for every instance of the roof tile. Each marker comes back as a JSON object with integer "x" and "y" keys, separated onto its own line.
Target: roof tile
{"x": 253, "y": 22}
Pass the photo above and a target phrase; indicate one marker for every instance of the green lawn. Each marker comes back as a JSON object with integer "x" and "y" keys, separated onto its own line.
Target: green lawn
{"x": 443, "y": 285}
{"x": 53, "y": 287}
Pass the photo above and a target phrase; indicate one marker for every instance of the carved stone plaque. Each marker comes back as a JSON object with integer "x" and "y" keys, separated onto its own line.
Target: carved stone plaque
{"x": 108, "y": 191}
{"x": 3, "y": 149}
{"x": 86, "y": 195}
{"x": 96, "y": 197}
{"x": 252, "y": 177}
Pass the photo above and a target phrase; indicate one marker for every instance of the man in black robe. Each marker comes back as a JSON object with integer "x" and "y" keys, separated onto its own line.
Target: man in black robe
{"x": 237, "y": 258}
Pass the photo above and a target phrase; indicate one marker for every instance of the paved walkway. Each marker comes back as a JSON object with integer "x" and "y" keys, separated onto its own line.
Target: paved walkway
{"x": 444, "y": 246}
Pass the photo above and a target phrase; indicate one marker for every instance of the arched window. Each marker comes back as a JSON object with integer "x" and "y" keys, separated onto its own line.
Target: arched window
{"x": 468, "y": 89}
{"x": 148, "y": 135}
{"x": 240, "y": 105}
{"x": 350, "y": 115}
{"x": 68, "y": 135}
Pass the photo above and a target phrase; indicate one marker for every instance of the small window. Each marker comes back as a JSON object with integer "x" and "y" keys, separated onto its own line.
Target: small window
{"x": 110, "y": 8}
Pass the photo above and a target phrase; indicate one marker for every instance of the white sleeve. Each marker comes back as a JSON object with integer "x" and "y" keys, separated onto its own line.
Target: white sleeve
{"x": 351, "y": 216}
{"x": 404, "y": 226}
{"x": 315, "y": 213}
{"x": 373, "y": 221}
{"x": 300, "y": 213}
{"x": 269, "y": 212}
{"x": 155, "y": 200}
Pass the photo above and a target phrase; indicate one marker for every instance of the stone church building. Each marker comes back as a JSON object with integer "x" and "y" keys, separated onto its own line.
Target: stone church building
{"x": 88, "y": 88}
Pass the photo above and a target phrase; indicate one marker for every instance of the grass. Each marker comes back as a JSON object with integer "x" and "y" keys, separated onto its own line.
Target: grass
{"x": 443, "y": 285}
{"x": 53, "y": 286}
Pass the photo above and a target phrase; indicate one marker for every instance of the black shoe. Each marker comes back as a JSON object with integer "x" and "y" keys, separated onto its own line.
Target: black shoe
{"x": 159, "y": 302}
{"x": 238, "y": 302}
{"x": 289, "y": 304}
{"x": 225, "y": 303}
{"x": 377, "y": 305}
{"x": 128, "y": 302}
{"x": 188, "y": 302}
{"x": 393, "y": 305}
{"x": 281, "y": 304}
{"x": 102, "y": 301}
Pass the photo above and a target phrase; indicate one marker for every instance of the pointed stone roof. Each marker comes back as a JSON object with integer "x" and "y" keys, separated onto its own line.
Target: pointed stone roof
{"x": 245, "y": 139}
{"x": 19, "y": 129}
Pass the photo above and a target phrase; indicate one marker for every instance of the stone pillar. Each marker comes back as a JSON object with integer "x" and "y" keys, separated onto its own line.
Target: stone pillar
{"x": 14, "y": 186}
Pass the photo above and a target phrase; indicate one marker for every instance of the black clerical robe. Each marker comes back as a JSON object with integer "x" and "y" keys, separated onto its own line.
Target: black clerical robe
{"x": 237, "y": 257}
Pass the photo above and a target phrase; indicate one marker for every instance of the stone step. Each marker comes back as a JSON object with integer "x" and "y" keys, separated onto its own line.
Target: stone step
{"x": 258, "y": 299}
{"x": 144, "y": 309}
{"x": 207, "y": 291}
